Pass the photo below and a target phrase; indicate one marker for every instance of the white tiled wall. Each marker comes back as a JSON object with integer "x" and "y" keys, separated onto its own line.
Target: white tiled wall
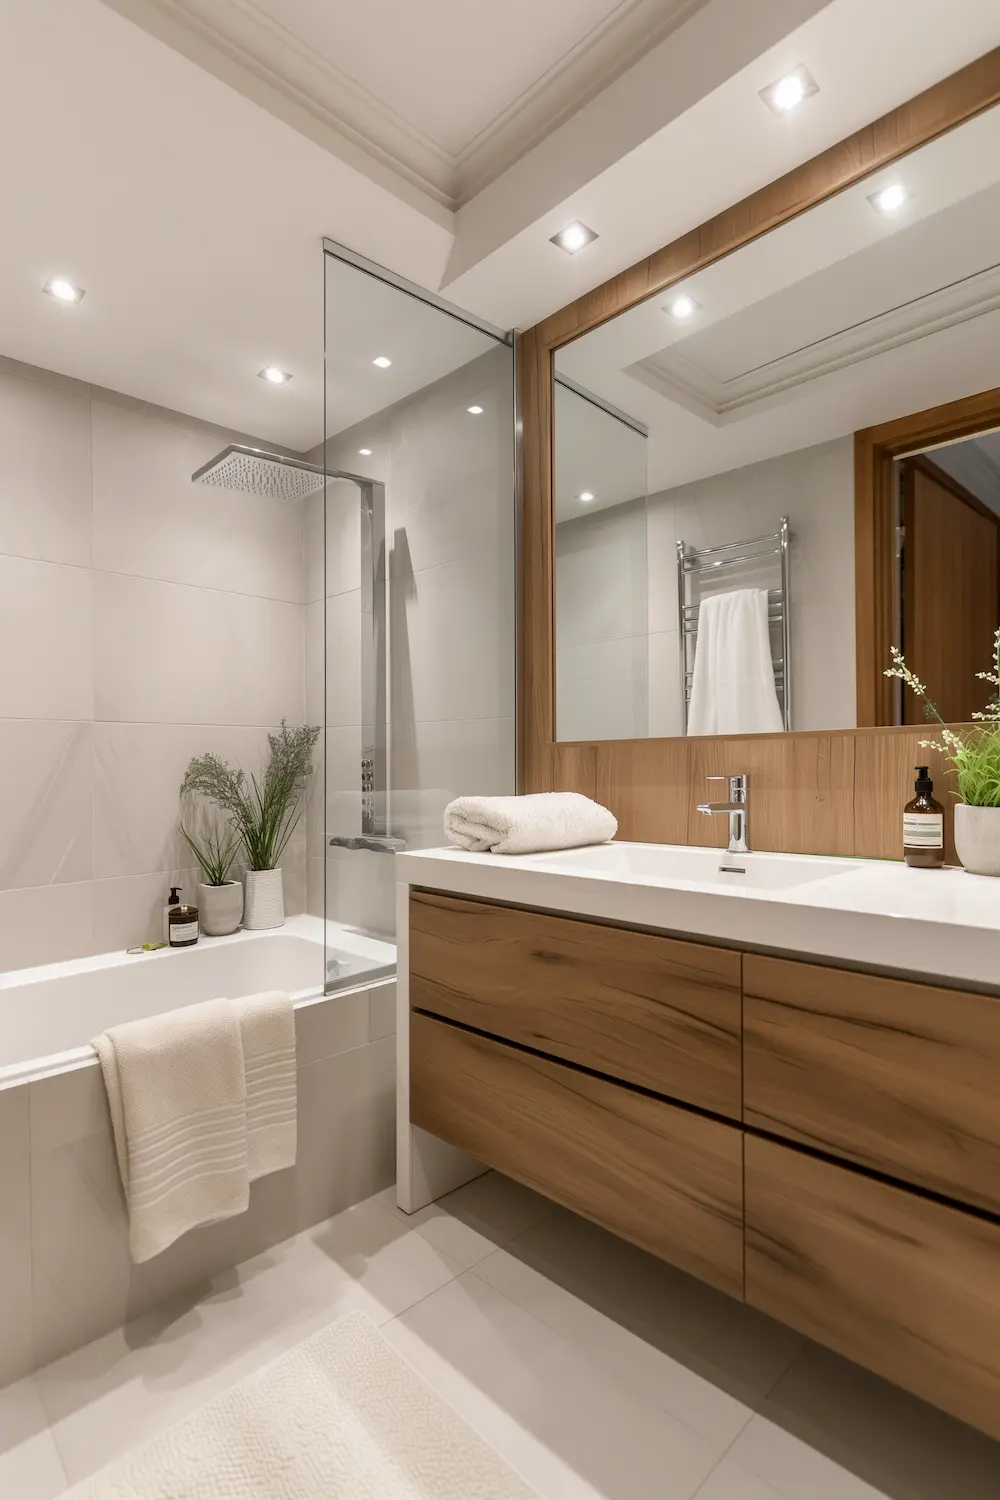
{"x": 450, "y": 532}
{"x": 143, "y": 620}
{"x": 615, "y": 633}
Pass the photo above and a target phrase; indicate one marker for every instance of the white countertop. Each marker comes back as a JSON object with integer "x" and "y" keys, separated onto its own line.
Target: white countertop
{"x": 934, "y": 924}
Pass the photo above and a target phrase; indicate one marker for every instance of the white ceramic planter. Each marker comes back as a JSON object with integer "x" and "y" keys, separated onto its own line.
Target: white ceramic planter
{"x": 263, "y": 899}
{"x": 977, "y": 838}
{"x": 220, "y": 908}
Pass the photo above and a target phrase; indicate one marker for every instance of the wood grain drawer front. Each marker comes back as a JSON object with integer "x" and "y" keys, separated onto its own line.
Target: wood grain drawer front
{"x": 633, "y": 1005}
{"x": 900, "y": 1283}
{"x": 668, "y": 1180}
{"x": 903, "y": 1078}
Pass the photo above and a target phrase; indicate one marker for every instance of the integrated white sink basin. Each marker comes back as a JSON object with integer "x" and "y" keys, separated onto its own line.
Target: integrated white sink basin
{"x": 711, "y": 867}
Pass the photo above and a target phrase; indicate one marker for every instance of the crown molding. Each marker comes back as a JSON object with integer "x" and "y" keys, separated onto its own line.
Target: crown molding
{"x": 680, "y": 379}
{"x": 250, "y": 48}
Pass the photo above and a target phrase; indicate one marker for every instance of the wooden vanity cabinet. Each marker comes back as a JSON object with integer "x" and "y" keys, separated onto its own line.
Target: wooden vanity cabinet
{"x": 665, "y": 1178}
{"x": 899, "y": 1077}
{"x": 632, "y": 1005}
{"x": 902, "y": 1284}
{"x": 820, "y": 1142}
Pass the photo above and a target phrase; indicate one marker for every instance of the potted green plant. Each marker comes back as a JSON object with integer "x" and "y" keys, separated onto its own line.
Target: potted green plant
{"x": 220, "y": 899}
{"x": 263, "y": 810}
{"x": 975, "y": 760}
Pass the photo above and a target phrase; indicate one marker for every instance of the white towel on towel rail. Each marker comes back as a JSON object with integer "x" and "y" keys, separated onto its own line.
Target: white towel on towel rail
{"x": 203, "y": 1102}
{"x": 732, "y": 690}
{"x": 530, "y": 824}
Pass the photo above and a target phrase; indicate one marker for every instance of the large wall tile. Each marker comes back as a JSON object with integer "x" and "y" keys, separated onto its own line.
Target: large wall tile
{"x": 344, "y": 622}
{"x": 602, "y": 690}
{"x": 341, "y": 544}
{"x": 343, "y": 1153}
{"x": 167, "y": 653}
{"x": 46, "y": 802}
{"x": 453, "y": 641}
{"x": 45, "y": 628}
{"x": 361, "y": 890}
{"x": 129, "y": 911}
{"x": 434, "y": 762}
{"x": 45, "y": 924}
{"x": 138, "y": 769}
{"x": 44, "y": 471}
{"x": 601, "y": 575}
{"x": 150, "y": 520}
{"x": 15, "y": 1235}
{"x": 666, "y": 706}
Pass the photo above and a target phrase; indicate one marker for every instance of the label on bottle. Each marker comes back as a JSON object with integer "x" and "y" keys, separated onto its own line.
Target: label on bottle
{"x": 923, "y": 830}
{"x": 183, "y": 932}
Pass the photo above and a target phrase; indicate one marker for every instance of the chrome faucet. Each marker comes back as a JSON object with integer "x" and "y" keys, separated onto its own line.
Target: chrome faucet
{"x": 738, "y": 808}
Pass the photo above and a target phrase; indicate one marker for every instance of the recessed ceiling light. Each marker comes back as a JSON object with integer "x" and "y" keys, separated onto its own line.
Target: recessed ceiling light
{"x": 273, "y": 375}
{"x": 382, "y": 362}
{"x": 475, "y": 411}
{"x": 682, "y": 308}
{"x": 788, "y": 92}
{"x": 63, "y": 290}
{"x": 365, "y": 452}
{"x": 574, "y": 237}
{"x": 890, "y": 199}
{"x": 585, "y": 495}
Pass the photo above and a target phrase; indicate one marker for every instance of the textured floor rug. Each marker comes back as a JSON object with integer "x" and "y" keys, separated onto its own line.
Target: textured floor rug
{"x": 340, "y": 1415}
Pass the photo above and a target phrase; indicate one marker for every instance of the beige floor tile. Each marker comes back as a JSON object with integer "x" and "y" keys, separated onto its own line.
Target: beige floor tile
{"x": 474, "y": 1220}
{"x": 710, "y": 1360}
{"x": 730, "y": 1481}
{"x": 123, "y": 1388}
{"x": 570, "y": 1428}
{"x": 30, "y": 1468}
{"x": 832, "y": 1431}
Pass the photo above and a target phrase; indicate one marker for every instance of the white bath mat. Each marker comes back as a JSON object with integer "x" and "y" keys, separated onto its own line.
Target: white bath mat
{"x": 339, "y": 1417}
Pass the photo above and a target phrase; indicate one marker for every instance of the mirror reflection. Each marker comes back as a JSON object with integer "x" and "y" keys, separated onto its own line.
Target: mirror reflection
{"x": 705, "y": 468}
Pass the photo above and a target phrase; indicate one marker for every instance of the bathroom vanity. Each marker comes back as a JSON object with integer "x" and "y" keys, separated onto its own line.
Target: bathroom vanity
{"x": 736, "y": 1070}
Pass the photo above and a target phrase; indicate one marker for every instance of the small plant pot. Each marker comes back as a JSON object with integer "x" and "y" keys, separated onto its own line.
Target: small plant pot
{"x": 220, "y": 908}
{"x": 977, "y": 838}
{"x": 263, "y": 899}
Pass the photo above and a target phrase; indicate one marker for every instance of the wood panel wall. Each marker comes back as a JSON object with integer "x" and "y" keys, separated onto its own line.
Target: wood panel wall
{"x": 812, "y": 793}
{"x": 836, "y": 793}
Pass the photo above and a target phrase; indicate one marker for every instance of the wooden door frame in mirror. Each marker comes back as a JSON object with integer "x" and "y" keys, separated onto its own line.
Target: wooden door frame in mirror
{"x": 875, "y": 451}
{"x": 939, "y": 109}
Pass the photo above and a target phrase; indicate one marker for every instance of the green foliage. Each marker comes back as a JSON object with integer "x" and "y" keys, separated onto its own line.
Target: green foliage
{"x": 975, "y": 756}
{"x": 214, "y": 849}
{"x": 263, "y": 811}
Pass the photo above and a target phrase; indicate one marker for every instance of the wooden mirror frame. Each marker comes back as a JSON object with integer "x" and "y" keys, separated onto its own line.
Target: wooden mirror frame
{"x": 543, "y": 762}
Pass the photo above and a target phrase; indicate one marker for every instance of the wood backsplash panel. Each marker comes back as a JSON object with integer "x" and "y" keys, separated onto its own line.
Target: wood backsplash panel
{"x": 884, "y": 761}
{"x": 801, "y": 791}
{"x": 645, "y": 784}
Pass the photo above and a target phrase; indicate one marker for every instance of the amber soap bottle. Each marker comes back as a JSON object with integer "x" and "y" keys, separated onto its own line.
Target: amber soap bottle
{"x": 923, "y": 826}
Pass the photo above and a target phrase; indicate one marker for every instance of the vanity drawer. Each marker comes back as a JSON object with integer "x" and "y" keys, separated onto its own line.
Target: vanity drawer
{"x": 633, "y": 1005}
{"x": 900, "y": 1283}
{"x": 662, "y": 1177}
{"x": 903, "y": 1078}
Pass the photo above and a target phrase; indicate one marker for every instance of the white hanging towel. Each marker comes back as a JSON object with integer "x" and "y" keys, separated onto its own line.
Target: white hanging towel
{"x": 267, "y": 1030}
{"x": 177, "y": 1093}
{"x": 732, "y": 691}
{"x": 531, "y": 824}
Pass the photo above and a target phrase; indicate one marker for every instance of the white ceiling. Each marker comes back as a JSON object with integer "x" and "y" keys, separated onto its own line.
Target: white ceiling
{"x": 182, "y": 159}
{"x": 840, "y": 319}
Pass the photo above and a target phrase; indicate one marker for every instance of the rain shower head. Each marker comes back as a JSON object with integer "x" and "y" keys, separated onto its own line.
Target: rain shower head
{"x": 257, "y": 472}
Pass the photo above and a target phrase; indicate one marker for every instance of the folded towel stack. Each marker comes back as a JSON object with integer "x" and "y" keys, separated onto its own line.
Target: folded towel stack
{"x": 202, "y": 1101}
{"x": 527, "y": 825}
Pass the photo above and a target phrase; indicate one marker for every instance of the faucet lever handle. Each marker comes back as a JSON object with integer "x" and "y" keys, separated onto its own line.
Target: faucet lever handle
{"x": 737, "y": 785}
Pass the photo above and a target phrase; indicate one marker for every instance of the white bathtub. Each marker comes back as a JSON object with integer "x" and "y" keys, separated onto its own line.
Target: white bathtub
{"x": 48, "y": 1015}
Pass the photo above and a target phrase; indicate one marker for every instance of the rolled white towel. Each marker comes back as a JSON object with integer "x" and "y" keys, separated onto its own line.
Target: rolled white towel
{"x": 527, "y": 825}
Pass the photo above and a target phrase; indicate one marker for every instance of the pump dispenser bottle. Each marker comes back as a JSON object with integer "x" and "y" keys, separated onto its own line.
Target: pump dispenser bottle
{"x": 923, "y": 826}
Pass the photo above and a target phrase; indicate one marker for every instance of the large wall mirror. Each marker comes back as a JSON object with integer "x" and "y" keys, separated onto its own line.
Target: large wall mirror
{"x": 707, "y": 470}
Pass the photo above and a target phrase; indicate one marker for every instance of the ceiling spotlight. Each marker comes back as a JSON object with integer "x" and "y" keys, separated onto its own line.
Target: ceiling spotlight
{"x": 273, "y": 375}
{"x": 63, "y": 290}
{"x": 585, "y": 495}
{"x": 475, "y": 411}
{"x": 382, "y": 362}
{"x": 574, "y": 237}
{"x": 788, "y": 93}
{"x": 889, "y": 200}
{"x": 682, "y": 308}
{"x": 365, "y": 452}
